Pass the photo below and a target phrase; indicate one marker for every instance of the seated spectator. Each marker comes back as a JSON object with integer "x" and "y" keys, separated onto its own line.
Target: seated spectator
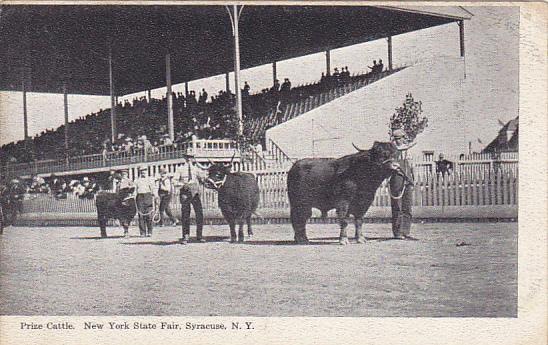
{"x": 58, "y": 187}
{"x": 444, "y": 166}
{"x": 275, "y": 87}
{"x": 245, "y": 91}
{"x": 284, "y": 90}
{"x": 373, "y": 68}
{"x": 380, "y": 67}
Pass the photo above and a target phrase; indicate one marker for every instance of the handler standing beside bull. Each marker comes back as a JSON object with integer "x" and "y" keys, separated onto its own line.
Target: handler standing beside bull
{"x": 401, "y": 187}
{"x": 146, "y": 192}
{"x": 189, "y": 180}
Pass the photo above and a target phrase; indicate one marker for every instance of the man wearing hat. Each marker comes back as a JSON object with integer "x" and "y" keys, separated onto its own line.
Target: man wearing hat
{"x": 189, "y": 195}
{"x": 146, "y": 192}
{"x": 165, "y": 191}
{"x": 401, "y": 187}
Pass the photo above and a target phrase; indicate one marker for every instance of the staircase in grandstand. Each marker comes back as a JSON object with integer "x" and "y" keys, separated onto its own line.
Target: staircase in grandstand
{"x": 286, "y": 112}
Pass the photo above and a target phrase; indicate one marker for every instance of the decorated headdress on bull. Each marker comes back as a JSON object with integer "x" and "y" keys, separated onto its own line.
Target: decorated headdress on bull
{"x": 407, "y": 122}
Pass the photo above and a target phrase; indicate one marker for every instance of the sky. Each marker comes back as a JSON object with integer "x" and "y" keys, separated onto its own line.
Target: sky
{"x": 490, "y": 88}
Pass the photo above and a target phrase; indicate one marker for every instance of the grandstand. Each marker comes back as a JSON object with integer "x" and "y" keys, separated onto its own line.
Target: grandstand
{"x": 135, "y": 133}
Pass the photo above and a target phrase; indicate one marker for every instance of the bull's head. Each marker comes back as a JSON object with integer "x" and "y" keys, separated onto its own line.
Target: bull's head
{"x": 382, "y": 153}
{"x": 381, "y": 156}
{"x": 217, "y": 173}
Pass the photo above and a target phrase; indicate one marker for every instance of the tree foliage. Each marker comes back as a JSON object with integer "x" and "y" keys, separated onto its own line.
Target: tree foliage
{"x": 409, "y": 118}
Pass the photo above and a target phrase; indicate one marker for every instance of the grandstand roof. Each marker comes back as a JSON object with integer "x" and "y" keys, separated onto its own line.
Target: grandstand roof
{"x": 50, "y": 44}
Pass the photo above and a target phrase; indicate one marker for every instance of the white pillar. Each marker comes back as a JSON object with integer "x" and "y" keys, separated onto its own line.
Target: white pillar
{"x": 112, "y": 99}
{"x": 389, "y": 39}
{"x": 169, "y": 99}
{"x": 235, "y": 20}
{"x": 25, "y": 120}
{"x": 65, "y": 106}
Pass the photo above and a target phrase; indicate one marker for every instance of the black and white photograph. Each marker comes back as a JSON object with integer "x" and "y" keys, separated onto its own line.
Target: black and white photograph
{"x": 256, "y": 160}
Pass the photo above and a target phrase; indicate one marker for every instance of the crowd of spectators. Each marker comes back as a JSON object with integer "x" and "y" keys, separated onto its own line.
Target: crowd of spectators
{"x": 84, "y": 188}
{"x": 142, "y": 123}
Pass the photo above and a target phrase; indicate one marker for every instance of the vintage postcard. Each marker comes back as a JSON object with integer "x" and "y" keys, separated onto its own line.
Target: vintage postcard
{"x": 272, "y": 173}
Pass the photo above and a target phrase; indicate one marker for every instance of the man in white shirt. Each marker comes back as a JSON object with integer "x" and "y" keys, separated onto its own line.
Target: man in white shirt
{"x": 146, "y": 192}
{"x": 165, "y": 192}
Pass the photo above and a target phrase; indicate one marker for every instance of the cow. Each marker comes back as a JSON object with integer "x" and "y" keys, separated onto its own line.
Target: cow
{"x": 347, "y": 184}
{"x": 115, "y": 206}
{"x": 238, "y": 196}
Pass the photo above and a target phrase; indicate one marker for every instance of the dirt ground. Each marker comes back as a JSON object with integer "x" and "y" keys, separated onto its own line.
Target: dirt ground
{"x": 72, "y": 271}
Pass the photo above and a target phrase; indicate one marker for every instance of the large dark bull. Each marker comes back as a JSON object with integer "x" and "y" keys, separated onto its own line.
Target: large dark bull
{"x": 238, "y": 197}
{"x": 347, "y": 184}
{"x": 114, "y": 206}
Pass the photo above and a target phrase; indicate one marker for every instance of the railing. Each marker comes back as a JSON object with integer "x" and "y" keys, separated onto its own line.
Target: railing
{"x": 474, "y": 163}
{"x": 199, "y": 147}
{"x": 457, "y": 190}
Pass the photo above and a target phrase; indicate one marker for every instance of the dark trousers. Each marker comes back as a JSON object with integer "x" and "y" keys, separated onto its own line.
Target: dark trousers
{"x": 196, "y": 203}
{"x": 145, "y": 207}
{"x": 401, "y": 213}
{"x": 165, "y": 200}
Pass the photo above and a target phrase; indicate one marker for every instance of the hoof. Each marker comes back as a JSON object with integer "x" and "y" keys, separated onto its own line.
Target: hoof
{"x": 343, "y": 241}
{"x": 233, "y": 240}
{"x": 361, "y": 240}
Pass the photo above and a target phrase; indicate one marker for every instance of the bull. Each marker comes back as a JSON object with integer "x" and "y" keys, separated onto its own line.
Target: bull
{"x": 347, "y": 184}
{"x": 115, "y": 206}
{"x": 238, "y": 196}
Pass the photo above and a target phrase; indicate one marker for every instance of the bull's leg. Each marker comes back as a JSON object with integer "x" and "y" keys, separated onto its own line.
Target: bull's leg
{"x": 233, "y": 237}
{"x": 249, "y": 229}
{"x": 342, "y": 213}
{"x": 240, "y": 230}
{"x": 125, "y": 224}
{"x": 299, "y": 217}
{"x": 103, "y": 225}
{"x": 358, "y": 222}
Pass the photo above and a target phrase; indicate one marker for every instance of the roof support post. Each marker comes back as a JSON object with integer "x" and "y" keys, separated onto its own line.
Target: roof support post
{"x": 389, "y": 39}
{"x": 235, "y": 13}
{"x": 186, "y": 89}
{"x": 327, "y": 62}
{"x": 25, "y": 119}
{"x": 65, "y": 106}
{"x": 227, "y": 82}
{"x": 112, "y": 99}
{"x": 149, "y": 96}
{"x": 274, "y": 72}
{"x": 169, "y": 97}
{"x": 461, "y": 37}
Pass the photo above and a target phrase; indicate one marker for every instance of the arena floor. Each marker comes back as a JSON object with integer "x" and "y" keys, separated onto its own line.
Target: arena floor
{"x": 72, "y": 271}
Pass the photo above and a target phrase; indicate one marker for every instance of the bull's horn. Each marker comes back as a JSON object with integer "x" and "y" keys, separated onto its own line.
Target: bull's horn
{"x": 200, "y": 165}
{"x": 357, "y": 148}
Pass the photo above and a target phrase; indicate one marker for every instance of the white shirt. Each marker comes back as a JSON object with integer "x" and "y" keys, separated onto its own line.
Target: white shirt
{"x": 144, "y": 185}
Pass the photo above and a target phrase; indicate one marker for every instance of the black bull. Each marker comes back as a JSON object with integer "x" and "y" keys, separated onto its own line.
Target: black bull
{"x": 238, "y": 197}
{"x": 347, "y": 184}
{"x": 111, "y": 206}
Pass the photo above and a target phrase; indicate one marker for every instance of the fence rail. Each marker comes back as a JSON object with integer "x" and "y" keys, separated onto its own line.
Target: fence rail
{"x": 457, "y": 190}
